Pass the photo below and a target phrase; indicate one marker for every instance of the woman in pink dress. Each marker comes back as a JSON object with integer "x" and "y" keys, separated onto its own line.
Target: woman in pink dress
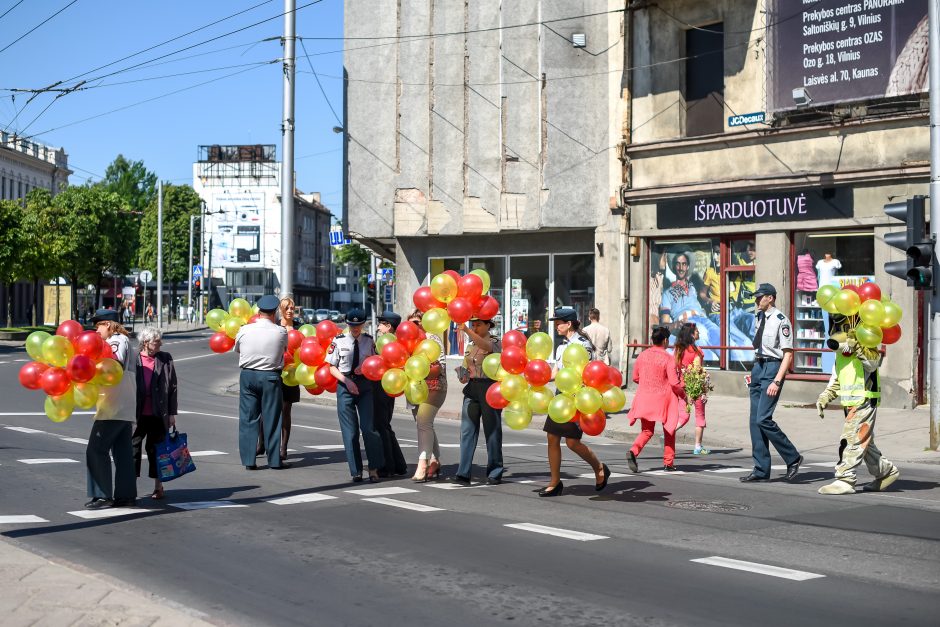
{"x": 687, "y": 353}
{"x": 657, "y": 399}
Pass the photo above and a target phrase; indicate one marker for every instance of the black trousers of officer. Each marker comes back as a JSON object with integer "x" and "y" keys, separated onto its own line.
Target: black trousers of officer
{"x": 384, "y": 405}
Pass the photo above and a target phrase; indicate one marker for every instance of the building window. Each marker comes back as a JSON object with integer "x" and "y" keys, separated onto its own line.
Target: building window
{"x": 496, "y": 268}
{"x": 705, "y": 80}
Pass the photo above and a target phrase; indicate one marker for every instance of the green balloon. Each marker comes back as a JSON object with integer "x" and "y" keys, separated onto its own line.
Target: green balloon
{"x": 872, "y": 312}
{"x": 416, "y": 392}
{"x": 575, "y": 355}
{"x": 893, "y": 314}
{"x": 308, "y": 330}
{"x": 847, "y": 302}
{"x": 538, "y": 399}
{"x": 215, "y": 318}
{"x": 485, "y": 277}
{"x": 825, "y": 294}
{"x": 568, "y": 380}
{"x": 539, "y": 346}
{"x": 614, "y": 399}
{"x": 588, "y": 400}
{"x": 59, "y": 408}
{"x": 384, "y": 339}
{"x": 34, "y": 344}
{"x": 57, "y": 350}
{"x": 305, "y": 375}
{"x": 289, "y": 376}
{"x": 517, "y": 415}
{"x": 231, "y": 326}
{"x": 394, "y": 381}
{"x": 436, "y": 320}
{"x": 868, "y": 336}
{"x": 417, "y": 367}
{"x": 513, "y": 387}
{"x": 562, "y": 408}
{"x": 491, "y": 365}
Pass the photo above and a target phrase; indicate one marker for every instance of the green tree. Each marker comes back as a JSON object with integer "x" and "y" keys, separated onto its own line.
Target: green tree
{"x": 356, "y": 255}
{"x": 137, "y": 188}
{"x": 11, "y": 217}
{"x": 35, "y": 260}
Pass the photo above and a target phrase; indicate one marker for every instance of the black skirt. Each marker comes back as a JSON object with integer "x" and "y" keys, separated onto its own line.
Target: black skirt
{"x": 291, "y": 393}
{"x": 563, "y": 429}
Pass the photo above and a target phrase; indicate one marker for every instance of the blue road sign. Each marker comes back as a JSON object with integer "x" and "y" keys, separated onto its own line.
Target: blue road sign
{"x": 197, "y": 271}
{"x": 388, "y": 274}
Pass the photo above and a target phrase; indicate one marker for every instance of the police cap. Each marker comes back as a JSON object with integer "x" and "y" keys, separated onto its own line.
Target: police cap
{"x": 268, "y": 303}
{"x": 765, "y": 289}
{"x": 355, "y": 317}
{"x": 105, "y": 315}
{"x": 565, "y": 314}
{"x": 390, "y": 317}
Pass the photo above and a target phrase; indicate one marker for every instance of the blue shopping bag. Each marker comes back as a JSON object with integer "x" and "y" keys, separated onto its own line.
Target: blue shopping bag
{"x": 173, "y": 458}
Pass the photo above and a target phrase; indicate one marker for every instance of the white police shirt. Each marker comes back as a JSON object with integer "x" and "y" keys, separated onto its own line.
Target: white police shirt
{"x": 340, "y": 352}
{"x": 575, "y": 339}
{"x": 261, "y": 345}
{"x": 778, "y": 334}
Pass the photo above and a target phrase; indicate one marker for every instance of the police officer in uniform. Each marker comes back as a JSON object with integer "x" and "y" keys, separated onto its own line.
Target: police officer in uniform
{"x": 354, "y": 395}
{"x": 260, "y": 347}
{"x": 383, "y": 406}
{"x": 773, "y": 353}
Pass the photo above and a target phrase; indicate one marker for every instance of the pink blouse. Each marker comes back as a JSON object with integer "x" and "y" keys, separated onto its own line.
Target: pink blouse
{"x": 147, "y": 364}
{"x": 658, "y": 390}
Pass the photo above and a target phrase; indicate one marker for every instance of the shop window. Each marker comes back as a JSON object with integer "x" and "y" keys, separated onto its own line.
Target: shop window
{"x": 440, "y": 264}
{"x": 574, "y": 283}
{"x": 528, "y": 291}
{"x": 740, "y": 321}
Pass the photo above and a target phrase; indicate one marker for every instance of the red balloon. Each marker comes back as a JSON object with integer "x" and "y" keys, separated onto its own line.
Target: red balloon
{"x": 488, "y": 308}
{"x": 891, "y": 334}
{"x": 331, "y": 388}
{"x": 89, "y": 344}
{"x": 316, "y": 391}
{"x": 411, "y": 345}
{"x": 324, "y": 342}
{"x": 108, "y": 353}
{"x": 311, "y": 353}
{"x": 324, "y": 377}
{"x": 55, "y": 381}
{"x": 537, "y": 372}
{"x": 454, "y": 274}
{"x": 220, "y": 343}
{"x": 395, "y": 354}
{"x": 513, "y": 359}
{"x": 514, "y": 338}
{"x": 252, "y": 319}
{"x": 593, "y": 424}
{"x": 577, "y": 417}
{"x": 81, "y": 369}
{"x": 374, "y": 367}
{"x": 31, "y": 375}
{"x": 851, "y": 288}
{"x": 460, "y": 310}
{"x": 424, "y": 299}
{"x": 288, "y": 359}
{"x": 494, "y": 397}
{"x": 869, "y": 291}
{"x": 470, "y": 286}
{"x": 70, "y": 330}
{"x": 614, "y": 376}
{"x": 596, "y": 375}
{"x": 327, "y": 329}
{"x": 407, "y": 331}
{"x": 294, "y": 339}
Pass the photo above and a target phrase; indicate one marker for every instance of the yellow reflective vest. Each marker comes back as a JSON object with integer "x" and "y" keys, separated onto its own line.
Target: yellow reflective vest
{"x": 852, "y": 387}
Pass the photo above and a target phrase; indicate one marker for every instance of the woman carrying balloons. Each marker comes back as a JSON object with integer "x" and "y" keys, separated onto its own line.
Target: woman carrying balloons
{"x": 156, "y": 402}
{"x": 567, "y": 326}
{"x": 688, "y": 354}
{"x": 432, "y": 348}
{"x": 291, "y": 392}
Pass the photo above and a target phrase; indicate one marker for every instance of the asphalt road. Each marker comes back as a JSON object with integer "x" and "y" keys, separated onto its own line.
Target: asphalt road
{"x": 437, "y": 553}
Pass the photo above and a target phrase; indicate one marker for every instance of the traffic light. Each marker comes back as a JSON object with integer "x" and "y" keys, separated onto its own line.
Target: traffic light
{"x": 915, "y": 241}
{"x": 197, "y": 282}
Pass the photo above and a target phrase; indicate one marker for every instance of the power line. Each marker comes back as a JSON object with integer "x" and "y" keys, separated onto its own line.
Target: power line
{"x": 10, "y": 9}
{"x": 319, "y": 84}
{"x": 45, "y": 21}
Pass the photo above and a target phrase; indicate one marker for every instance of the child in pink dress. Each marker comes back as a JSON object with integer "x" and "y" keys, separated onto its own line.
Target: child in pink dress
{"x": 686, "y": 354}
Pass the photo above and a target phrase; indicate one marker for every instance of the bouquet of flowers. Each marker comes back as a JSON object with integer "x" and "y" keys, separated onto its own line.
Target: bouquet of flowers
{"x": 697, "y": 383}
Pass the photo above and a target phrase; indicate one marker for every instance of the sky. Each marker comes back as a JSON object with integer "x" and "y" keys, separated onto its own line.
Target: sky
{"x": 214, "y": 92}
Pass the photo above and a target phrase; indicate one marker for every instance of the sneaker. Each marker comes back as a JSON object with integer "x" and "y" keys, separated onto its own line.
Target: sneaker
{"x": 701, "y": 451}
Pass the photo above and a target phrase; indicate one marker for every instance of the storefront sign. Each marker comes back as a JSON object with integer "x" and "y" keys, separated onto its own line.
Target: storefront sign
{"x": 755, "y": 208}
{"x": 747, "y": 118}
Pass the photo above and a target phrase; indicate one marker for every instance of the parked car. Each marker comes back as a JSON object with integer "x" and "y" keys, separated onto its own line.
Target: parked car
{"x": 309, "y": 316}
{"x": 323, "y": 314}
{"x": 336, "y": 316}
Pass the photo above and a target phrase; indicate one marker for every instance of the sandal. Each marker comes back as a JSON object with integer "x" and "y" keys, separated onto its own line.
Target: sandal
{"x": 157, "y": 494}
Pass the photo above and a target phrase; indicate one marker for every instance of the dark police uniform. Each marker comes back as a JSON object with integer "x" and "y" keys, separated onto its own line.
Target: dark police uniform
{"x": 773, "y": 337}
{"x": 568, "y": 429}
{"x": 383, "y": 407}
{"x": 356, "y": 411}
{"x": 260, "y": 347}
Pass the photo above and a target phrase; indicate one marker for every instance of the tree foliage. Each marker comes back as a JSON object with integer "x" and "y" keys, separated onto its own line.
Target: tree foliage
{"x": 135, "y": 185}
{"x": 11, "y": 217}
{"x": 179, "y": 202}
{"x": 356, "y": 255}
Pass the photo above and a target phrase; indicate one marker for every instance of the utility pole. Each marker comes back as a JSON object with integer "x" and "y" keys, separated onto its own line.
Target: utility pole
{"x": 287, "y": 152}
{"x": 189, "y": 260}
{"x": 934, "y": 46}
{"x": 202, "y": 260}
{"x": 159, "y": 254}
{"x": 375, "y": 276}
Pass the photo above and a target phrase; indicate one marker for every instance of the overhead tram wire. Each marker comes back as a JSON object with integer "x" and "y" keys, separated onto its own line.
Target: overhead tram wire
{"x": 319, "y": 84}
{"x": 45, "y": 21}
{"x": 10, "y": 9}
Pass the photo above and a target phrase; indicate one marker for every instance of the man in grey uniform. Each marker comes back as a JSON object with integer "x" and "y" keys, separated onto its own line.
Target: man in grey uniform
{"x": 773, "y": 346}
{"x": 260, "y": 347}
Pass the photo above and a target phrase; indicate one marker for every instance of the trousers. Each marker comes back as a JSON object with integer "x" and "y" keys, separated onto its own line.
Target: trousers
{"x": 356, "y": 413}
{"x": 764, "y": 431}
{"x": 383, "y": 407}
{"x": 857, "y": 444}
{"x": 475, "y": 411}
{"x": 259, "y": 394}
{"x": 111, "y": 438}
{"x": 153, "y": 429}
{"x": 646, "y": 432}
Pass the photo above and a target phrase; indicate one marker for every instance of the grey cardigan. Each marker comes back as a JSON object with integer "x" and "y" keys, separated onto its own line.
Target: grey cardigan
{"x": 162, "y": 387}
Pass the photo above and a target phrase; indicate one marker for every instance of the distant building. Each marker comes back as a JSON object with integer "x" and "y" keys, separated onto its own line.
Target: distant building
{"x": 347, "y": 290}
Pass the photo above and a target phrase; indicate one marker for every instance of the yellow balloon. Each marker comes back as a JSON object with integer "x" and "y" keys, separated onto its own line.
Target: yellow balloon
{"x": 501, "y": 373}
{"x": 215, "y": 318}
{"x": 428, "y": 348}
{"x": 575, "y": 355}
{"x": 561, "y": 408}
{"x": 485, "y": 277}
{"x": 539, "y": 399}
{"x": 830, "y": 306}
{"x": 289, "y": 376}
{"x": 305, "y": 375}
{"x": 85, "y": 395}
{"x": 444, "y": 289}
{"x": 893, "y": 313}
{"x": 416, "y": 392}
{"x": 614, "y": 399}
{"x": 417, "y": 368}
{"x": 588, "y": 400}
{"x": 231, "y": 326}
{"x": 108, "y": 373}
{"x": 868, "y": 336}
{"x": 34, "y": 342}
{"x": 240, "y": 308}
{"x": 517, "y": 415}
{"x": 491, "y": 365}
{"x": 539, "y": 346}
{"x": 436, "y": 320}
{"x": 513, "y": 387}
{"x": 568, "y": 380}
{"x": 59, "y": 408}
{"x": 307, "y": 330}
{"x": 394, "y": 381}
{"x": 57, "y": 350}
{"x": 825, "y": 294}
{"x": 872, "y": 312}
{"x": 847, "y": 302}
{"x": 384, "y": 339}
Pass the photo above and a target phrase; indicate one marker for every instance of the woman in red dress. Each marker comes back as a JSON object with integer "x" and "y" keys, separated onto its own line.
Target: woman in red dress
{"x": 657, "y": 399}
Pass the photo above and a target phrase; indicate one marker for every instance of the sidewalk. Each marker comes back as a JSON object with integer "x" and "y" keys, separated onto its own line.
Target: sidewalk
{"x": 37, "y": 591}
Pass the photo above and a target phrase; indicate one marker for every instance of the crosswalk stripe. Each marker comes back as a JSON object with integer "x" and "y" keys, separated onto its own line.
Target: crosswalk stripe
{"x": 206, "y": 505}
{"x": 725, "y": 470}
{"x": 206, "y": 453}
{"x": 75, "y": 440}
{"x": 25, "y": 430}
{"x": 456, "y": 486}
{"x": 417, "y": 507}
{"x": 111, "y": 512}
{"x": 555, "y": 531}
{"x": 664, "y": 472}
{"x": 381, "y": 491}
{"x": 762, "y": 569}
{"x": 326, "y": 447}
{"x": 17, "y": 520}
{"x": 50, "y": 460}
{"x": 613, "y": 475}
{"x": 301, "y": 498}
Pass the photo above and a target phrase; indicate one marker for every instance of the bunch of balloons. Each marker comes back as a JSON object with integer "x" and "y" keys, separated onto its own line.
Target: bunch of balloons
{"x": 874, "y": 317}
{"x": 452, "y": 297}
{"x": 588, "y": 389}
{"x": 71, "y": 367}
{"x": 404, "y": 361}
{"x": 305, "y": 358}
{"x": 227, "y": 323}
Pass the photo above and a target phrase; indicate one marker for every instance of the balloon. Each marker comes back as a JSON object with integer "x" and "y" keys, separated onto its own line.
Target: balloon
{"x": 847, "y": 302}
{"x": 417, "y": 368}
{"x": 215, "y": 318}
{"x": 436, "y": 321}
{"x": 331, "y": 388}
{"x": 31, "y": 374}
{"x": 311, "y": 353}
{"x": 288, "y": 360}
{"x": 240, "y": 308}
{"x": 588, "y": 400}
{"x": 869, "y": 291}
{"x": 308, "y": 330}
{"x": 513, "y": 387}
{"x": 892, "y": 313}
{"x": 568, "y": 380}
{"x": 70, "y": 330}
{"x": 453, "y": 274}
{"x": 416, "y": 392}
{"x": 488, "y": 308}
{"x": 513, "y": 359}
{"x": 89, "y": 344}
{"x": 830, "y": 305}
{"x": 59, "y": 409}
{"x": 316, "y": 391}
{"x": 495, "y": 398}
{"x": 561, "y": 408}
{"x": 460, "y": 310}
{"x": 614, "y": 399}
{"x": 890, "y": 335}
{"x": 539, "y": 346}
{"x": 407, "y": 330}
{"x": 872, "y": 312}
{"x": 221, "y": 343}
{"x": 231, "y": 326}
{"x": 305, "y": 375}
{"x": 81, "y": 369}
{"x": 294, "y": 339}
{"x": 424, "y": 300}
{"x": 55, "y": 381}
{"x": 327, "y": 329}
{"x": 517, "y": 415}
{"x": 484, "y": 278}
{"x": 537, "y": 372}
{"x": 501, "y": 373}
{"x": 868, "y": 336}
{"x": 444, "y": 287}
{"x": 428, "y": 348}
{"x": 324, "y": 378}
{"x": 373, "y": 367}
{"x": 34, "y": 342}
{"x": 826, "y": 293}
{"x": 593, "y": 423}
{"x": 538, "y": 399}
{"x": 85, "y": 395}
{"x": 56, "y": 351}
{"x": 106, "y": 351}
{"x": 289, "y": 376}
{"x": 109, "y": 373}
{"x": 470, "y": 287}
{"x": 614, "y": 376}
{"x": 574, "y": 355}
{"x": 395, "y": 355}
{"x": 491, "y": 365}
{"x": 514, "y": 338}
{"x": 394, "y": 381}
{"x": 253, "y": 319}
{"x": 850, "y": 287}
{"x": 384, "y": 339}
{"x": 596, "y": 375}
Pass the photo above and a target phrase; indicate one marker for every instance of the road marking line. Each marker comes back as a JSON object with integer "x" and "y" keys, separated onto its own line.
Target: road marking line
{"x": 75, "y": 440}
{"x": 111, "y": 512}
{"x": 317, "y": 428}
{"x": 25, "y": 430}
{"x": 197, "y": 357}
{"x": 400, "y": 445}
{"x": 407, "y": 440}
{"x": 663, "y": 472}
{"x": 326, "y": 447}
{"x": 555, "y": 531}
{"x": 59, "y": 460}
{"x": 457, "y": 486}
{"x": 301, "y": 498}
{"x": 761, "y": 569}
{"x": 16, "y": 520}
{"x": 442, "y": 445}
{"x": 206, "y": 453}
{"x": 416, "y": 507}
{"x": 381, "y": 491}
{"x": 613, "y": 475}
{"x": 206, "y": 505}
{"x": 779, "y": 467}
{"x": 734, "y": 469}
{"x": 41, "y": 413}
{"x": 202, "y": 413}
{"x": 823, "y": 464}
